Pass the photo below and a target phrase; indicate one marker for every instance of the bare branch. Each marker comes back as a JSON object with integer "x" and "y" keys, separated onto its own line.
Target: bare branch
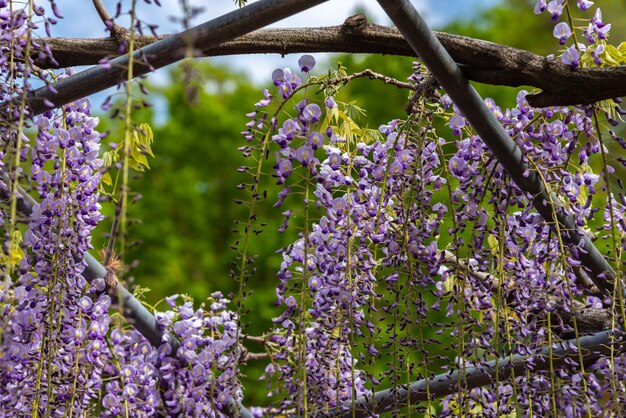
{"x": 102, "y": 11}
{"x": 481, "y": 61}
{"x": 372, "y": 75}
{"x": 255, "y": 356}
{"x": 255, "y": 338}
{"x": 164, "y": 52}
{"x": 117, "y": 32}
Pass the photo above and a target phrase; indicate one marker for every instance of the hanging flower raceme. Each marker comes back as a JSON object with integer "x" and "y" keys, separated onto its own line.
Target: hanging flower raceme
{"x": 540, "y": 278}
{"x": 58, "y": 321}
{"x": 197, "y": 379}
{"x": 411, "y": 214}
{"x": 59, "y": 350}
{"x": 53, "y": 340}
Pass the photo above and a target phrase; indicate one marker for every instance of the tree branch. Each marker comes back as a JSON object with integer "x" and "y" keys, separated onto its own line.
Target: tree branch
{"x": 117, "y": 32}
{"x": 102, "y": 11}
{"x": 256, "y": 356}
{"x": 481, "y": 61}
{"x": 566, "y": 352}
{"x": 164, "y": 52}
{"x": 588, "y": 320}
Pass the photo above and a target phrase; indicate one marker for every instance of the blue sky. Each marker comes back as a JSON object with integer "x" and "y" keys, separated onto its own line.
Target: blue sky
{"x": 81, "y": 20}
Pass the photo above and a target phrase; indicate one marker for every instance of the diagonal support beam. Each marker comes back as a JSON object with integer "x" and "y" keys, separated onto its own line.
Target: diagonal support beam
{"x": 135, "y": 313}
{"x": 593, "y": 346}
{"x": 510, "y": 156}
{"x": 167, "y": 51}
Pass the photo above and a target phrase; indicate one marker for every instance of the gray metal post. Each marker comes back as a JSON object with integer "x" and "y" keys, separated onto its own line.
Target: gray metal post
{"x": 449, "y": 75}
{"x": 167, "y": 51}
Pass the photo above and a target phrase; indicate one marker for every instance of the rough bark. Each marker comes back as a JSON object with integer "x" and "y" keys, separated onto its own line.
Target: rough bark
{"x": 481, "y": 61}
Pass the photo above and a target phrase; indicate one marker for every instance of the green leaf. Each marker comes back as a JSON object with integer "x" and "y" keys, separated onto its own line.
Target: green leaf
{"x": 109, "y": 158}
{"x": 106, "y": 179}
{"x": 145, "y": 138}
{"x": 622, "y": 49}
{"x": 140, "y": 146}
{"x": 612, "y": 55}
{"x": 15, "y": 251}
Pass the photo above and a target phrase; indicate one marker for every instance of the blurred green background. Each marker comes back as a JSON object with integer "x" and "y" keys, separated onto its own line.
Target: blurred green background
{"x": 186, "y": 213}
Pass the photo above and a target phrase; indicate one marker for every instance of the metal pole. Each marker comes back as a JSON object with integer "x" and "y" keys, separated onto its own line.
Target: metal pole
{"x": 167, "y": 51}
{"x": 135, "y": 313}
{"x": 449, "y": 75}
{"x": 448, "y": 383}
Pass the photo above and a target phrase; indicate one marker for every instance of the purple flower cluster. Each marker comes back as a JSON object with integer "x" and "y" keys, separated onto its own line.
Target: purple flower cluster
{"x": 58, "y": 323}
{"x": 540, "y": 277}
{"x": 61, "y": 350}
{"x": 319, "y": 265}
{"x": 413, "y": 213}
{"x": 196, "y": 380}
{"x": 14, "y": 64}
{"x": 54, "y": 323}
{"x": 366, "y": 230}
{"x": 595, "y": 32}
{"x": 330, "y": 369}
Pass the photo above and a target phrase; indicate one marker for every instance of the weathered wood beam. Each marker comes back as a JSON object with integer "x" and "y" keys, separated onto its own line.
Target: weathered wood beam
{"x": 481, "y": 61}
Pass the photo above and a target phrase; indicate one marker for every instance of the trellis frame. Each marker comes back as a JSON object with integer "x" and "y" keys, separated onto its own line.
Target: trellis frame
{"x": 450, "y": 76}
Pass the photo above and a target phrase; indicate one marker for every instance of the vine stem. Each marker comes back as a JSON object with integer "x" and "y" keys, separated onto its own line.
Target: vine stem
{"x": 303, "y": 338}
{"x": 20, "y": 135}
{"x": 618, "y": 295}
{"x": 567, "y": 282}
{"x": 117, "y": 31}
{"x": 127, "y": 136}
{"x": 508, "y": 153}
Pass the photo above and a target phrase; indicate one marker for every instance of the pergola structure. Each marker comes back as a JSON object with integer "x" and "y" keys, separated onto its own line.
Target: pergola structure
{"x": 231, "y": 30}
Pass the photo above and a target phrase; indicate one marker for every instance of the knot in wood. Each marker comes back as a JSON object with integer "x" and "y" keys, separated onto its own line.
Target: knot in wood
{"x": 119, "y": 33}
{"x": 111, "y": 281}
{"x": 354, "y": 25}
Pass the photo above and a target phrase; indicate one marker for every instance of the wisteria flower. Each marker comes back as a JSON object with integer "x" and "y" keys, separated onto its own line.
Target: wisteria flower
{"x": 571, "y": 57}
{"x": 562, "y": 32}
{"x": 306, "y": 63}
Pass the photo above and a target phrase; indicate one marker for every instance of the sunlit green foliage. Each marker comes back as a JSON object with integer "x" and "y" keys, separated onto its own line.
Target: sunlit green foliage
{"x": 188, "y": 192}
